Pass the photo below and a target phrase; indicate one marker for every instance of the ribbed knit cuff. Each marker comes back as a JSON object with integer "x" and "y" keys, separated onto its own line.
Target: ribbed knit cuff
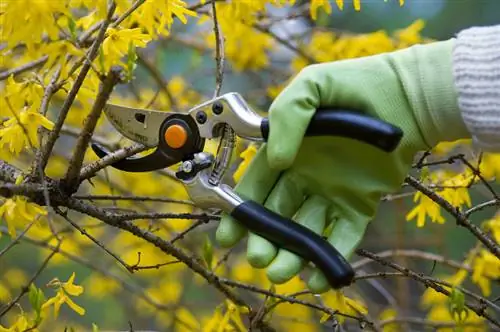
{"x": 476, "y": 71}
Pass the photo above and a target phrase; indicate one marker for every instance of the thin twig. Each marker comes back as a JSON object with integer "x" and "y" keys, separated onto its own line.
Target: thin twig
{"x": 132, "y": 288}
{"x": 21, "y": 69}
{"x": 286, "y": 43}
{"x": 89, "y": 170}
{"x": 93, "y": 239}
{"x": 414, "y": 254}
{"x": 103, "y": 141}
{"x": 158, "y": 78}
{"x": 43, "y": 154}
{"x": 16, "y": 240}
{"x": 165, "y": 246}
{"x": 84, "y": 37}
{"x": 49, "y": 91}
{"x": 181, "y": 235}
{"x": 133, "y": 198}
{"x": 459, "y": 216}
{"x": 137, "y": 267}
{"x": 386, "y": 275}
{"x": 8, "y": 173}
{"x": 290, "y": 299}
{"x": 430, "y": 323}
{"x": 219, "y": 52}
{"x": 72, "y": 177}
{"x": 127, "y": 13}
{"x": 430, "y": 283}
{"x": 477, "y": 173}
{"x": 479, "y": 207}
{"x": 25, "y": 289}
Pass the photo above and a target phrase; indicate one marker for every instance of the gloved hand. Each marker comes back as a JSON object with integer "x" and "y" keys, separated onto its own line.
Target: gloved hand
{"x": 322, "y": 180}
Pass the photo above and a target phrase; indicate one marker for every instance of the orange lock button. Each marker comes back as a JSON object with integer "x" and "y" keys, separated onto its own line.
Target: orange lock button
{"x": 175, "y": 136}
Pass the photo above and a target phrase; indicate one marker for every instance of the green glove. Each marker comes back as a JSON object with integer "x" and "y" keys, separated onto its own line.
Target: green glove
{"x": 322, "y": 180}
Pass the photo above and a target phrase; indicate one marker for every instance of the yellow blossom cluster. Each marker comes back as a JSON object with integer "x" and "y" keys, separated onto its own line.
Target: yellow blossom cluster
{"x": 18, "y": 212}
{"x": 19, "y": 104}
{"x": 64, "y": 291}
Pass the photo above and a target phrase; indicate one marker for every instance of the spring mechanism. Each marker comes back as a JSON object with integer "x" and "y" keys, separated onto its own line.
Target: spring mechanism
{"x": 224, "y": 153}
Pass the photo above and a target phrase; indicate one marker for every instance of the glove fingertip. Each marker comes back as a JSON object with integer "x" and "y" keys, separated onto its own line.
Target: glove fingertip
{"x": 229, "y": 232}
{"x": 317, "y": 283}
{"x": 284, "y": 267}
{"x": 260, "y": 252}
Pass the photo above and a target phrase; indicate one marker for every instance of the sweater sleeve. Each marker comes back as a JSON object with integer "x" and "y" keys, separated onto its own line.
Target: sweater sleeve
{"x": 476, "y": 70}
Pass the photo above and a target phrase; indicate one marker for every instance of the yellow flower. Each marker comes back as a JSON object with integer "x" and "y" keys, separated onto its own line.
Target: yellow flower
{"x": 5, "y": 294}
{"x": 493, "y": 226}
{"x": 411, "y": 35}
{"x": 426, "y": 207}
{"x": 389, "y": 314}
{"x": 441, "y": 313}
{"x": 325, "y": 4}
{"x": 189, "y": 321}
{"x": 27, "y": 21}
{"x": 20, "y": 325}
{"x": 444, "y": 148}
{"x": 457, "y": 193}
{"x": 57, "y": 52}
{"x": 234, "y": 19}
{"x": 15, "y": 129}
{"x": 22, "y": 119}
{"x": 247, "y": 157}
{"x": 17, "y": 211}
{"x": 167, "y": 292}
{"x": 490, "y": 166}
{"x": 65, "y": 289}
{"x": 230, "y": 321}
{"x": 486, "y": 267}
{"x": 431, "y": 297}
{"x": 117, "y": 43}
{"x": 157, "y": 17}
{"x": 345, "y": 305}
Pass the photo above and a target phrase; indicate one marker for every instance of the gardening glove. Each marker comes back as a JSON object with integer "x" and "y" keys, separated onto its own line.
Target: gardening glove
{"x": 333, "y": 185}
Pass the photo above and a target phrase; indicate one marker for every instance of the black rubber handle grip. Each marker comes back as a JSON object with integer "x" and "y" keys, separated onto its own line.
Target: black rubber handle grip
{"x": 378, "y": 133}
{"x": 296, "y": 238}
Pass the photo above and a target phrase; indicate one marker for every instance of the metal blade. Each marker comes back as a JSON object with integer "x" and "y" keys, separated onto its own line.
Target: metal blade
{"x": 139, "y": 125}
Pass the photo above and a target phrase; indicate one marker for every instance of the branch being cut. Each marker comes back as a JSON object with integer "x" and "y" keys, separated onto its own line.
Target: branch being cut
{"x": 89, "y": 170}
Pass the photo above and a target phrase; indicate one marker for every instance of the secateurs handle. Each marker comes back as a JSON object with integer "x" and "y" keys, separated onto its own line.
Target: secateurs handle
{"x": 350, "y": 124}
{"x": 296, "y": 238}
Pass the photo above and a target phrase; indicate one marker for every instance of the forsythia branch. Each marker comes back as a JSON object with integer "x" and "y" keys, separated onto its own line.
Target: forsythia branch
{"x": 72, "y": 177}
{"x": 479, "y": 310}
{"x": 43, "y": 154}
{"x": 459, "y": 216}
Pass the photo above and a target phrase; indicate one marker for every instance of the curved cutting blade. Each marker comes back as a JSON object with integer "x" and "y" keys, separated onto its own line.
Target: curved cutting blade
{"x": 137, "y": 124}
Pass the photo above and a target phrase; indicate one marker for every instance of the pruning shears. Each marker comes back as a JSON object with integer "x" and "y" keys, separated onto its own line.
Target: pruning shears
{"x": 179, "y": 138}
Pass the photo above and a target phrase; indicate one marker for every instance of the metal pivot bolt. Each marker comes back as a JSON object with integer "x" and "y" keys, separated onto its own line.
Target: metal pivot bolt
{"x": 201, "y": 117}
{"x": 217, "y": 108}
{"x": 187, "y": 166}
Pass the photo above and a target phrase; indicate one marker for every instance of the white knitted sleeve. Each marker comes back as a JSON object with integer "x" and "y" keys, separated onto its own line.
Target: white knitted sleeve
{"x": 476, "y": 69}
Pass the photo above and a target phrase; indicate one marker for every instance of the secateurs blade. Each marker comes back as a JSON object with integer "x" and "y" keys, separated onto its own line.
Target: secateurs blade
{"x": 179, "y": 138}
